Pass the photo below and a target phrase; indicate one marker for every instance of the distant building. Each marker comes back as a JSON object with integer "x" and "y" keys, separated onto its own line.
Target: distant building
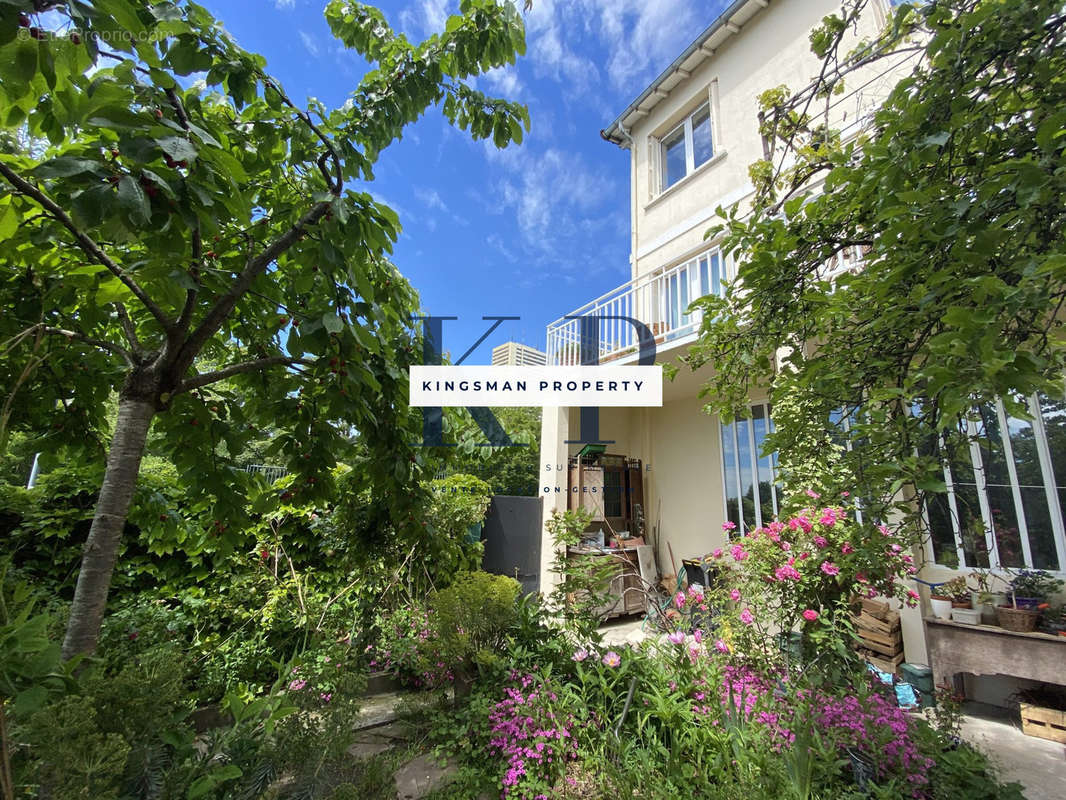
{"x": 513, "y": 354}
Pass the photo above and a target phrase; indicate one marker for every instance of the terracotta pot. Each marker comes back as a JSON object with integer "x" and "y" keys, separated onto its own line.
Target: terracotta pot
{"x": 961, "y": 604}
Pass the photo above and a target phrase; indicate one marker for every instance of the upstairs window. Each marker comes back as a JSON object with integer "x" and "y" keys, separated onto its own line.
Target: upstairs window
{"x": 687, "y": 146}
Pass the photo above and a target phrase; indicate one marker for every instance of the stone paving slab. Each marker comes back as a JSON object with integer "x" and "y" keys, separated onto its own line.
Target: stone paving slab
{"x": 420, "y": 776}
{"x": 1037, "y": 764}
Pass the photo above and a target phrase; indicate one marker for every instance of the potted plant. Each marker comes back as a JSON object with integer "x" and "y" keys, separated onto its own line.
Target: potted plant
{"x": 1031, "y": 588}
{"x": 1053, "y": 621}
{"x": 948, "y": 595}
{"x": 983, "y": 597}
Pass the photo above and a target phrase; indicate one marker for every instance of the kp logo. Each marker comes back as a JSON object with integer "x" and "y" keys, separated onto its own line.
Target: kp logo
{"x": 589, "y": 343}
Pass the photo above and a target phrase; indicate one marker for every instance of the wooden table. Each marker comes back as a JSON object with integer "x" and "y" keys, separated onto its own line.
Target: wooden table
{"x": 955, "y": 648}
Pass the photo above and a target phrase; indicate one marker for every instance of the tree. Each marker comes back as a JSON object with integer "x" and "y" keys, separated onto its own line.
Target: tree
{"x": 507, "y": 470}
{"x": 953, "y": 194}
{"x": 186, "y": 211}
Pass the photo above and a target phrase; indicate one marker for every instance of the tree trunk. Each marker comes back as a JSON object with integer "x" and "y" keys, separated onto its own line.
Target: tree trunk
{"x": 105, "y": 535}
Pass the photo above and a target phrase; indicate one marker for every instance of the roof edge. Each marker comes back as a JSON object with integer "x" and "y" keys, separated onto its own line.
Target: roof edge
{"x": 615, "y": 132}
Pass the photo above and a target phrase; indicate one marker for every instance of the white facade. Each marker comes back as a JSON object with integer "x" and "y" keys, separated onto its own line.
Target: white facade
{"x": 691, "y": 137}
{"x": 515, "y": 354}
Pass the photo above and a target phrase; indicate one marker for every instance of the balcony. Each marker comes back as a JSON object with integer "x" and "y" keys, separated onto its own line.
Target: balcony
{"x": 659, "y": 300}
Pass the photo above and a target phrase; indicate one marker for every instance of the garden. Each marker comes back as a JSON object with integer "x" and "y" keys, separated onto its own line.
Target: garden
{"x": 254, "y": 687}
{"x": 230, "y": 537}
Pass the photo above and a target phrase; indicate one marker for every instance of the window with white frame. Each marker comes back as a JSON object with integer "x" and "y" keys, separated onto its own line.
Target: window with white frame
{"x": 700, "y": 276}
{"x": 1006, "y": 480}
{"x": 686, "y": 147}
{"x": 749, "y": 478}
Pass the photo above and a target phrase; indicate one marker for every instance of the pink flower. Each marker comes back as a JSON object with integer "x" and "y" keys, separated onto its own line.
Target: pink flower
{"x": 829, "y": 568}
{"x": 829, "y": 517}
{"x": 734, "y": 594}
{"x": 717, "y": 553}
{"x": 820, "y": 541}
{"x": 846, "y": 548}
{"x": 787, "y": 572}
{"x": 810, "y": 615}
{"x": 738, "y": 553}
{"x": 297, "y": 685}
{"x": 801, "y": 522}
{"x": 721, "y": 646}
{"x": 580, "y": 655}
{"x": 697, "y": 635}
{"x": 845, "y": 494}
{"x": 676, "y": 637}
{"x": 325, "y": 697}
{"x": 786, "y": 546}
{"x": 913, "y": 595}
{"x": 746, "y": 616}
{"x": 812, "y": 493}
{"x": 729, "y": 526}
{"x": 679, "y": 600}
{"x": 612, "y": 659}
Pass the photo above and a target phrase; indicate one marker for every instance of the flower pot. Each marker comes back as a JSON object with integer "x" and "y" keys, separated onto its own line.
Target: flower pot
{"x": 986, "y": 603}
{"x": 961, "y": 604}
{"x": 967, "y": 616}
{"x": 1028, "y": 602}
{"x": 1019, "y": 620}
{"x": 941, "y": 607}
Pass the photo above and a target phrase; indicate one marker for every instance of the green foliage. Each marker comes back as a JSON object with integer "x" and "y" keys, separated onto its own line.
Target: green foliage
{"x": 31, "y": 669}
{"x": 471, "y": 620}
{"x": 191, "y": 247}
{"x": 580, "y": 594}
{"x": 952, "y": 196}
{"x": 459, "y": 502}
{"x": 507, "y": 470}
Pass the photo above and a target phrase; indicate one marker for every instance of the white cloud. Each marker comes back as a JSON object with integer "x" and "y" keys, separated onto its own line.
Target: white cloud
{"x": 426, "y": 18}
{"x": 431, "y": 199}
{"x": 284, "y": 5}
{"x": 555, "y": 197}
{"x": 504, "y": 81}
{"x": 309, "y": 43}
{"x": 640, "y": 38}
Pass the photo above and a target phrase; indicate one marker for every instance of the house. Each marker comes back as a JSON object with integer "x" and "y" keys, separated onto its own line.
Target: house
{"x": 691, "y": 136}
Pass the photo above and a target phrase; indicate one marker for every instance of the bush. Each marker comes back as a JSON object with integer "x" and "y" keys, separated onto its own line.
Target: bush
{"x": 471, "y": 619}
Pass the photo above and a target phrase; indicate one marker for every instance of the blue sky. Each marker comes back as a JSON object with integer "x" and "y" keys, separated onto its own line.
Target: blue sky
{"x": 532, "y": 231}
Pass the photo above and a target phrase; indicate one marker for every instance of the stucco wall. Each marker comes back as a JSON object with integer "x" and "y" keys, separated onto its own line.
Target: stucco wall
{"x": 772, "y": 49}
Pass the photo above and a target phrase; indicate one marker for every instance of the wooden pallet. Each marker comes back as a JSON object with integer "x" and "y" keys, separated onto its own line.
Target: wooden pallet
{"x": 1044, "y": 723}
{"x": 885, "y": 664}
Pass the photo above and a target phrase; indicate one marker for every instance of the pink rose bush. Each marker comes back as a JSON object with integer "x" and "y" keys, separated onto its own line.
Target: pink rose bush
{"x": 802, "y": 572}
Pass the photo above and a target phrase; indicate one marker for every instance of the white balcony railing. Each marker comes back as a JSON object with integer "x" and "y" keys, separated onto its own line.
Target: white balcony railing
{"x": 659, "y": 300}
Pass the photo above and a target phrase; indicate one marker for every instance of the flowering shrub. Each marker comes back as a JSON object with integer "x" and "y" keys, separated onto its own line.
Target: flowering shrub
{"x": 877, "y": 725}
{"x": 408, "y": 649}
{"x": 533, "y": 736}
{"x": 803, "y": 572}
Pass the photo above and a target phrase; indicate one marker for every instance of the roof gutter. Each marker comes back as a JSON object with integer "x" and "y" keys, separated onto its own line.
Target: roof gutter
{"x": 615, "y": 131}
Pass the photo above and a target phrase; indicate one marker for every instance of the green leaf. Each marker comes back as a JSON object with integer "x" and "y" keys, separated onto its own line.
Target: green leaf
{"x": 132, "y": 198}
{"x": 66, "y": 166}
{"x": 30, "y": 700}
{"x": 178, "y": 148}
{"x": 332, "y": 323}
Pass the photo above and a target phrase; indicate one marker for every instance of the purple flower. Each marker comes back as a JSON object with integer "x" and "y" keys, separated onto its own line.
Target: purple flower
{"x": 676, "y": 637}
{"x": 746, "y": 616}
{"x": 612, "y": 659}
{"x": 580, "y": 654}
{"x": 829, "y": 568}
